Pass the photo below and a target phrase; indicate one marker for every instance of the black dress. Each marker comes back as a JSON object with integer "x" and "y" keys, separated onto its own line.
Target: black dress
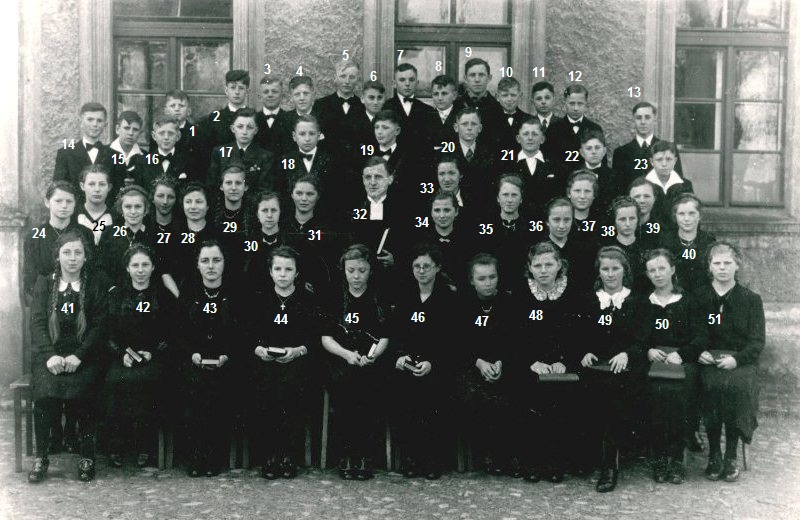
{"x": 114, "y": 242}
{"x": 731, "y": 396}
{"x": 691, "y": 258}
{"x": 255, "y": 265}
{"x": 136, "y": 397}
{"x": 180, "y": 258}
{"x": 317, "y": 246}
{"x": 40, "y": 255}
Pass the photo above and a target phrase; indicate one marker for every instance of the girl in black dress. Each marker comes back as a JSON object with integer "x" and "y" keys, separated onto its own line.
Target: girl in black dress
{"x": 550, "y": 313}
{"x": 651, "y": 222}
{"x": 68, "y": 331}
{"x": 668, "y": 320}
{"x": 735, "y": 322}
{"x": 453, "y": 239}
{"x": 133, "y": 204}
{"x": 356, "y": 333}
{"x": 578, "y": 252}
{"x": 141, "y": 324}
{"x": 582, "y": 189}
{"x": 234, "y": 218}
{"x": 264, "y": 239}
{"x": 424, "y": 328}
{"x": 624, "y": 217}
{"x": 481, "y": 380}
{"x": 163, "y": 223}
{"x": 283, "y": 330}
{"x": 212, "y": 334}
{"x": 611, "y": 368}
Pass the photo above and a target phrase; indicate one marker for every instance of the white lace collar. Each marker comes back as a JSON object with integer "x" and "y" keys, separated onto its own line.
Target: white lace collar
{"x": 672, "y": 299}
{"x": 62, "y": 285}
{"x": 615, "y": 299}
{"x": 554, "y": 294}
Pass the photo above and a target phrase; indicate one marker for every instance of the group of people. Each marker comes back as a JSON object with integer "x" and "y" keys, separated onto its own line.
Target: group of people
{"x": 463, "y": 267}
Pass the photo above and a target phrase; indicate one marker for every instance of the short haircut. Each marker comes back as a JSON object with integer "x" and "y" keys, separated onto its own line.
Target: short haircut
{"x": 192, "y": 187}
{"x": 269, "y": 80}
{"x": 665, "y": 146}
{"x": 377, "y": 160}
{"x": 576, "y": 89}
{"x": 95, "y": 168}
{"x": 306, "y": 118}
{"x": 613, "y": 253}
{"x": 373, "y": 85}
{"x": 644, "y": 104}
{"x": 683, "y": 198}
{"x": 176, "y": 94}
{"x": 444, "y": 80}
{"x": 165, "y": 119}
{"x": 93, "y": 106}
{"x": 237, "y": 75}
{"x": 512, "y": 179}
{"x": 296, "y": 81}
{"x": 444, "y": 158}
{"x": 531, "y": 120}
{"x": 623, "y": 201}
{"x": 284, "y": 252}
{"x": 127, "y": 191}
{"x": 558, "y": 202}
{"x": 65, "y": 186}
{"x": 427, "y": 249}
{"x": 476, "y": 61}
{"x": 233, "y": 168}
{"x": 542, "y": 85}
{"x": 482, "y": 259}
{"x": 402, "y": 67}
{"x": 245, "y": 112}
{"x": 543, "y": 248}
{"x": 583, "y": 175}
{"x": 130, "y": 117}
{"x": 467, "y": 111}
{"x": 587, "y": 134}
{"x": 386, "y": 115}
{"x": 346, "y": 64}
{"x": 507, "y": 84}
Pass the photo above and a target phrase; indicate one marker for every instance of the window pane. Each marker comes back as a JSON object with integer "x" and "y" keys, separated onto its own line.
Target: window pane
{"x": 497, "y": 57}
{"x": 701, "y": 13}
{"x": 756, "y": 178}
{"x": 484, "y": 12}
{"x": 207, "y": 8}
{"x": 759, "y": 14}
{"x": 145, "y": 106}
{"x": 698, "y": 126}
{"x": 146, "y": 7}
{"x": 204, "y": 64}
{"x": 424, "y": 58}
{"x": 759, "y": 75}
{"x": 423, "y": 11}
{"x": 142, "y": 64}
{"x": 698, "y": 73}
{"x": 202, "y": 106}
{"x": 703, "y": 170}
{"x": 757, "y": 126}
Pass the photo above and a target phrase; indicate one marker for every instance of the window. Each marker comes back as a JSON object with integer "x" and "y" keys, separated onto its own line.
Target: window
{"x": 730, "y": 99}
{"x": 440, "y": 36}
{"x": 163, "y": 45}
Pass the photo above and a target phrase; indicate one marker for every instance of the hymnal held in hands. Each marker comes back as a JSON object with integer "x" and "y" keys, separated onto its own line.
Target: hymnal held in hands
{"x": 276, "y": 351}
{"x": 719, "y": 354}
{"x": 567, "y": 377}
{"x": 605, "y": 366}
{"x": 134, "y": 355}
{"x": 372, "y": 351}
{"x": 211, "y": 363}
{"x": 662, "y": 370}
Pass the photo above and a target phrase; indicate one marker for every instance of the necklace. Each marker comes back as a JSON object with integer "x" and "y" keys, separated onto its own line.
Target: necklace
{"x": 231, "y": 214}
{"x": 283, "y": 300}
{"x": 686, "y": 243}
{"x": 209, "y": 295}
{"x": 269, "y": 241}
{"x": 485, "y": 310}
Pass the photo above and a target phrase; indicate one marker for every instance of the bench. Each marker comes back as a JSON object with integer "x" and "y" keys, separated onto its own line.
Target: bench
{"x": 22, "y": 390}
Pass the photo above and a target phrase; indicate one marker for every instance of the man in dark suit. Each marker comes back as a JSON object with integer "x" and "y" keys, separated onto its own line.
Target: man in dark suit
{"x": 167, "y": 159}
{"x": 476, "y": 160}
{"x": 360, "y": 128}
{"x": 562, "y": 146}
{"x": 338, "y": 110}
{"x": 218, "y": 125}
{"x": 633, "y": 159}
{"x": 509, "y": 92}
{"x": 258, "y": 164}
{"x": 543, "y": 180}
{"x": 191, "y": 142}
{"x": 76, "y": 154}
{"x": 270, "y": 94}
{"x": 303, "y": 95}
{"x": 411, "y": 111}
{"x": 440, "y": 123}
{"x": 477, "y": 76}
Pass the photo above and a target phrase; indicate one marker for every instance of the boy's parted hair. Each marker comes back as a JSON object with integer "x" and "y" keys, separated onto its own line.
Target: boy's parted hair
{"x": 542, "y": 85}
{"x": 444, "y": 80}
{"x": 237, "y": 75}
{"x": 665, "y": 146}
{"x": 467, "y": 111}
{"x": 644, "y": 104}
{"x": 130, "y": 117}
{"x": 402, "y": 67}
{"x": 587, "y": 134}
{"x": 506, "y": 84}
{"x": 93, "y": 106}
{"x": 165, "y": 119}
{"x": 387, "y": 115}
{"x": 576, "y": 89}
{"x": 373, "y": 85}
{"x": 296, "y": 81}
{"x": 476, "y": 61}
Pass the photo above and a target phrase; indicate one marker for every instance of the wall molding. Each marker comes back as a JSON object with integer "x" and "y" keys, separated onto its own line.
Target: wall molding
{"x": 96, "y": 55}
{"x": 659, "y": 64}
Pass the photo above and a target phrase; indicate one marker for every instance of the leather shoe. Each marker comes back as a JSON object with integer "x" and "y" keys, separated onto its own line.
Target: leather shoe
{"x": 212, "y": 471}
{"x": 346, "y": 472}
{"x": 714, "y": 468}
{"x": 364, "y": 470}
{"x": 288, "y": 468}
{"x": 39, "y": 470}
{"x": 270, "y": 469}
{"x": 676, "y": 472}
{"x": 730, "y": 470}
{"x": 608, "y": 480}
{"x": 115, "y": 459}
{"x": 143, "y": 460}
{"x": 491, "y": 466}
{"x": 86, "y": 470}
{"x": 660, "y": 470}
{"x": 533, "y": 475}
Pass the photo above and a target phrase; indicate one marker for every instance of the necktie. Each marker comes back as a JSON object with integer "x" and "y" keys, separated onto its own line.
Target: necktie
{"x": 469, "y": 154}
{"x": 307, "y": 156}
{"x": 544, "y": 125}
{"x": 406, "y": 99}
{"x": 443, "y": 116}
{"x": 645, "y": 147}
{"x": 510, "y": 120}
{"x": 89, "y": 146}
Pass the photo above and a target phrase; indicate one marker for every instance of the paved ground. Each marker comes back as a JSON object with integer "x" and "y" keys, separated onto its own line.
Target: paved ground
{"x": 770, "y": 490}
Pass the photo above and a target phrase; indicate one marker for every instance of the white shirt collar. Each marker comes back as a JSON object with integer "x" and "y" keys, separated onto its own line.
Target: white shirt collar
{"x": 163, "y": 153}
{"x": 466, "y": 147}
{"x": 370, "y": 116}
{"x": 674, "y": 179}
{"x": 575, "y": 121}
{"x": 543, "y": 118}
{"x": 245, "y": 147}
{"x": 444, "y": 114}
{"x": 672, "y": 299}
{"x": 640, "y": 140}
{"x": 268, "y": 112}
{"x": 234, "y": 109}
{"x": 379, "y": 201}
{"x": 62, "y": 285}
{"x": 391, "y": 148}
{"x": 616, "y": 299}
{"x": 522, "y": 155}
{"x": 135, "y": 150}
{"x": 459, "y": 199}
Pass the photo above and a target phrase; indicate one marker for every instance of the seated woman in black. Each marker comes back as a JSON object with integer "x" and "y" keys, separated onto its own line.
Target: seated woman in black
{"x": 668, "y": 318}
{"x": 735, "y": 322}
{"x": 356, "y": 334}
{"x": 234, "y": 218}
{"x": 162, "y": 223}
{"x": 688, "y": 242}
{"x": 651, "y": 219}
{"x": 582, "y": 190}
{"x": 141, "y": 325}
{"x": 133, "y": 204}
{"x": 624, "y": 217}
{"x": 481, "y": 381}
{"x": 310, "y": 235}
{"x": 283, "y": 330}
{"x": 612, "y": 371}
{"x": 550, "y": 311}
{"x": 450, "y": 235}
{"x": 266, "y": 237}
{"x": 180, "y": 270}
{"x": 212, "y": 335}
{"x": 68, "y": 331}
{"x": 424, "y": 327}
{"x": 578, "y": 252}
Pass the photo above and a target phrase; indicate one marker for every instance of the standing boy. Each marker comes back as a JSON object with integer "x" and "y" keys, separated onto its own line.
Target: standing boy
{"x": 477, "y": 76}
{"x": 509, "y": 93}
{"x": 301, "y": 88}
{"x": 270, "y": 93}
{"x": 562, "y": 145}
{"x": 338, "y": 109}
{"x": 439, "y": 123}
{"x": 76, "y": 154}
{"x": 237, "y": 88}
{"x": 410, "y": 110}
{"x": 543, "y": 96}
{"x": 127, "y": 160}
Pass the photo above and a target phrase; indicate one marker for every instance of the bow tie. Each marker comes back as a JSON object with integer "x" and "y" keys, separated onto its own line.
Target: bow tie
{"x": 307, "y": 156}
{"x": 406, "y": 99}
{"x": 269, "y": 116}
{"x": 386, "y": 153}
{"x": 89, "y": 146}
{"x": 167, "y": 157}
{"x": 351, "y": 100}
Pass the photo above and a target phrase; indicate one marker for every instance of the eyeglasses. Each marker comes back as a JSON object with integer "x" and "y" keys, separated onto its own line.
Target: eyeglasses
{"x": 423, "y": 267}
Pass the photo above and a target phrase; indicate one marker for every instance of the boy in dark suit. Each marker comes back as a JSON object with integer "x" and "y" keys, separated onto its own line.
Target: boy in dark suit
{"x": 476, "y": 160}
{"x": 543, "y": 96}
{"x": 633, "y": 159}
{"x": 166, "y": 158}
{"x": 509, "y": 92}
{"x": 191, "y": 144}
{"x": 477, "y": 76}
{"x": 303, "y": 94}
{"x": 258, "y": 164}
{"x": 562, "y": 145}
{"x": 664, "y": 176}
{"x": 218, "y": 125}
{"x": 127, "y": 160}
{"x": 593, "y": 151}
{"x": 270, "y": 93}
{"x": 439, "y": 123}
{"x": 403, "y": 163}
{"x": 75, "y": 155}
{"x": 542, "y": 179}
{"x": 338, "y": 109}
{"x": 411, "y": 111}
{"x": 360, "y": 129}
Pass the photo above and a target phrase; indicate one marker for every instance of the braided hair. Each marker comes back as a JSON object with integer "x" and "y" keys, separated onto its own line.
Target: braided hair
{"x": 52, "y": 321}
